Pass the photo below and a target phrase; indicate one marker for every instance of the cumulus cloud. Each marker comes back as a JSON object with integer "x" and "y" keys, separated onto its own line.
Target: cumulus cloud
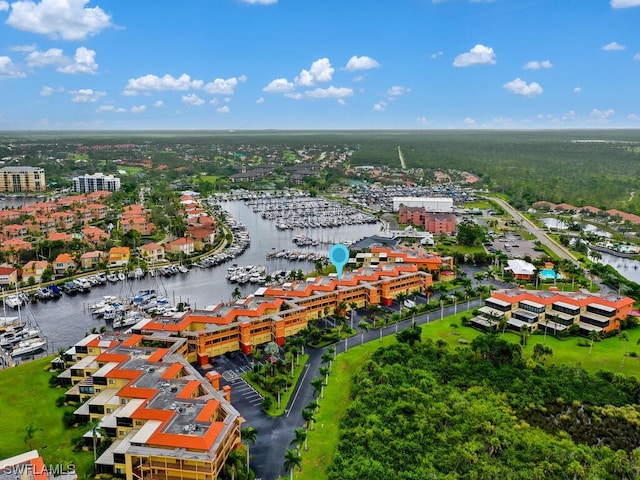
{"x": 478, "y": 55}
{"x": 633, "y": 116}
{"x": 330, "y": 92}
{"x": 469, "y": 121}
{"x": 138, "y": 109}
{"x": 222, "y": 87}
{"x": 86, "y": 95}
{"x": 279, "y": 85}
{"x": 192, "y": 99}
{"x": 435, "y": 55}
{"x": 4, "y": 6}
{"x": 361, "y": 63}
{"x": 380, "y": 106}
{"x": 259, "y": 2}
{"x": 47, "y": 91}
{"x": 520, "y": 87}
{"x": 158, "y": 104}
{"x": 602, "y": 115}
{"x": 84, "y": 61}
{"x": 23, "y": 48}
{"x": 153, "y": 83}
{"x": 613, "y": 46}
{"x": 321, "y": 71}
{"x": 223, "y": 109}
{"x": 577, "y": 90}
{"x": 68, "y": 20}
{"x": 260, "y": 100}
{"x": 396, "y": 91}
{"x": 110, "y": 108}
{"x": 625, "y": 3}
{"x": 423, "y": 121}
{"x": 537, "y": 65}
{"x": 636, "y": 56}
{"x": 8, "y": 69}
{"x": 53, "y": 56}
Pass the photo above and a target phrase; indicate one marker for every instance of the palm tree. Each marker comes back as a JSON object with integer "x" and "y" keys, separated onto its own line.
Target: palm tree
{"x": 364, "y": 326}
{"x": 234, "y": 459}
{"x": 313, "y": 406}
{"x": 292, "y": 459}
{"x": 30, "y": 432}
{"x": 524, "y": 334}
{"x": 249, "y": 435}
{"x": 307, "y": 416}
{"x": 301, "y": 438}
{"x": 624, "y": 337}
{"x": 236, "y": 294}
{"x": 318, "y": 387}
{"x": 324, "y": 371}
{"x": 332, "y": 351}
{"x": 593, "y": 335}
{"x": 326, "y": 360}
{"x": 279, "y": 383}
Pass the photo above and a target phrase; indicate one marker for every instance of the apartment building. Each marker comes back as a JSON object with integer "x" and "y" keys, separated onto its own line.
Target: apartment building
{"x": 97, "y": 182}
{"x": 554, "y": 311}
{"x": 22, "y": 179}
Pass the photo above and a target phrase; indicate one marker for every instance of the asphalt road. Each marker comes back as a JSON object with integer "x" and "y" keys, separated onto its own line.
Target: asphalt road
{"x": 540, "y": 234}
{"x": 275, "y": 434}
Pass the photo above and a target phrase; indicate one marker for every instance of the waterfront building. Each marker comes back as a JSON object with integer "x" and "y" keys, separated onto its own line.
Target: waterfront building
{"x": 430, "y": 204}
{"x": 22, "y": 179}
{"x": 34, "y": 269}
{"x": 433, "y": 222}
{"x": 554, "y": 311}
{"x": 152, "y": 252}
{"x": 119, "y": 256}
{"x": 97, "y": 182}
{"x": 63, "y": 263}
{"x": 8, "y": 276}
{"x": 165, "y": 419}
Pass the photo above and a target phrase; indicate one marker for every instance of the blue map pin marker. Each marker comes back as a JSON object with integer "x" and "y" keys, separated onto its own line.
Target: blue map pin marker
{"x": 339, "y": 256}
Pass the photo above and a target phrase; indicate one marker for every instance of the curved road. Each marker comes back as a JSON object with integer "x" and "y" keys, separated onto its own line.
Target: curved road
{"x": 540, "y": 234}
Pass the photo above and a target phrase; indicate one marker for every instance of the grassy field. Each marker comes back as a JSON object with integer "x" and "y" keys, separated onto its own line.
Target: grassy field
{"x": 605, "y": 355}
{"x": 27, "y": 399}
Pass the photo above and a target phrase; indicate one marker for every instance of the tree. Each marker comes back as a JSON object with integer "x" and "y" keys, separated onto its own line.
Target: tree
{"x": 410, "y": 335}
{"x": 318, "y": 387}
{"x": 278, "y": 384}
{"x": 326, "y": 359}
{"x": 541, "y": 351}
{"x": 236, "y": 294}
{"x": 324, "y": 371}
{"x": 364, "y": 326}
{"x": 524, "y": 334}
{"x": 233, "y": 461}
{"x": 30, "y": 432}
{"x": 623, "y": 337}
{"x": 593, "y": 336}
{"x": 308, "y": 417}
{"x": 300, "y": 439}
{"x": 249, "y": 435}
{"x": 292, "y": 459}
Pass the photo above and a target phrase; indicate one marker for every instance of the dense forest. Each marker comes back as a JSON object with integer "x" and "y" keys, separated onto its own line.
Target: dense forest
{"x": 482, "y": 412}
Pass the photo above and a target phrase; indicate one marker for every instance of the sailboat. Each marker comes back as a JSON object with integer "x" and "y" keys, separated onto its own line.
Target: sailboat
{"x": 23, "y": 337}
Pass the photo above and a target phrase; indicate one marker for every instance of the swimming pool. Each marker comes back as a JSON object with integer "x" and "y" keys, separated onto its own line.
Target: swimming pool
{"x": 549, "y": 274}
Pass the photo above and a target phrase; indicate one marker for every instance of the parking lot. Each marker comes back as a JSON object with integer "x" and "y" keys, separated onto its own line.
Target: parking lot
{"x": 514, "y": 246}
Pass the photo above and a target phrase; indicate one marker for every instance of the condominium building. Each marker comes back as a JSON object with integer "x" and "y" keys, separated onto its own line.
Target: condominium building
{"x": 22, "y": 179}
{"x": 97, "y": 182}
{"x": 554, "y": 311}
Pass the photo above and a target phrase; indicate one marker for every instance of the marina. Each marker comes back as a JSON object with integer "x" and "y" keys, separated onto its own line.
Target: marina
{"x": 66, "y": 318}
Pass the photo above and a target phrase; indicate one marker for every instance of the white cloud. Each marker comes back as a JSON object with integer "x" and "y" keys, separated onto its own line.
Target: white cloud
{"x": 321, "y": 71}
{"x": 478, "y": 55}
{"x": 279, "y": 85}
{"x": 47, "y": 91}
{"x": 221, "y": 87}
{"x": 361, "y": 63}
{"x": 537, "y": 65}
{"x": 397, "y": 90}
{"x": 192, "y": 99}
{"x": 23, "y": 48}
{"x": 602, "y": 115}
{"x": 153, "y": 83}
{"x": 423, "y": 121}
{"x": 342, "y": 101}
{"x": 625, "y": 3}
{"x": 213, "y": 101}
{"x": 520, "y": 87}
{"x": 633, "y": 117}
{"x": 158, "y": 104}
{"x": 86, "y": 95}
{"x": 53, "y": 56}
{"x": 84, "y": 61}
{"x": 110, "y": 108}
{"x": 469, "y": 121}
{"x": 138, "y": 109}
{"x": 435, "y": 55}
{"x": 577, "y": 90}
{"x": 260, "y": 2}
{"x": 223, "y": 109}
{"x": 260, "y": 100}
{"x": 66, "y": 19}
{"x": 636, "y": 56}
{"x": 4, "y": 6}
{"x": 8, "y": 69}
{"x": 330, "y": 92}
{"x": 380, "y": 106}
{"x": 613, "y": 46}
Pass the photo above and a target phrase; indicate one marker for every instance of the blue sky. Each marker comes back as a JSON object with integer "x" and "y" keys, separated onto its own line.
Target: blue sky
{"x": 308, "y": 64}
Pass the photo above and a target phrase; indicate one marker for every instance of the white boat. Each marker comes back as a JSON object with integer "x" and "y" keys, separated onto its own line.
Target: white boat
{"x": 121, "y": 276}
{"x": 29, "y": 346}
{"x": 112, "y": 277}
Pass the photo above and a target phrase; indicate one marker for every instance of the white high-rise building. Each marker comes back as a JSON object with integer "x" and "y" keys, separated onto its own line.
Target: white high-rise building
{"x": 98, "y": 181}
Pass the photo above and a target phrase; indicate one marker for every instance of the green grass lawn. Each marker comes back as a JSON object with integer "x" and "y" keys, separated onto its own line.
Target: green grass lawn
{"x": 209, "y": 178}
{"x": 605, "y": 355}
{"x": 27, "y": 399}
